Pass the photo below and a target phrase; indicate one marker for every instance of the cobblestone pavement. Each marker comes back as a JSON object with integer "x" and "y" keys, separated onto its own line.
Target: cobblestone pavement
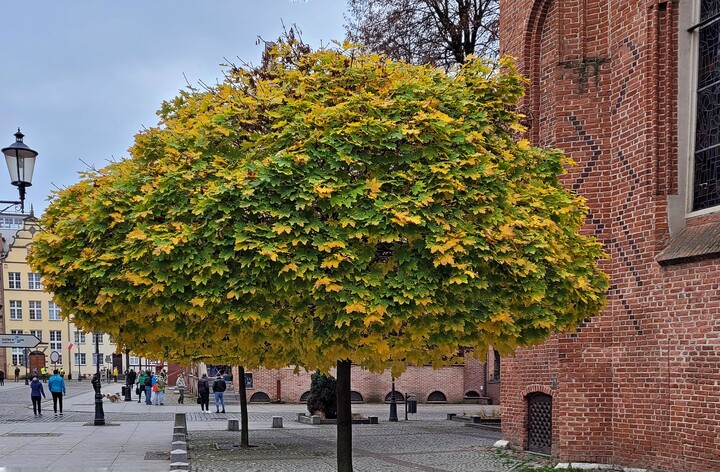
{"x": 417, "y": 445}
{"x": 427, "y": 442}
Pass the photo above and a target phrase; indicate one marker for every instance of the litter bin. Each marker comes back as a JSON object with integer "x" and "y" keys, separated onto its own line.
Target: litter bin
{"x": 124, "y": 391}
{"x": 410, "y": 403}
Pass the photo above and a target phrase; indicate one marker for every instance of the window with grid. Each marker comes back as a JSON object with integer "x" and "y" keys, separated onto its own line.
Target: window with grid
{"x": 96, "y": 357}
{"x": 35, "y": 310}
{"x": 15, "y": 309}
{"x": 18, "y": 353}
{"x": 706, "y": 171}
{"x": 54, "y": 312}
{"x": 79, "y": 337}
{"x": 80, "y": 358}
{"x": 14, "y": 280}
{"x": 56, "y": 343}
{"x": 99, "y": 337}
{"x": 34, "y": 281}
{"x": 37, "y": 333}
{"x": 11, "y": 222}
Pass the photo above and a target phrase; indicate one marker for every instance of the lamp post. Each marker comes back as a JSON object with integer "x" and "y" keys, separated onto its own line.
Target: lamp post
{"x": 393, "y": 403}
{"x": 20, "y": 160}
{"x": 99, "y": 412}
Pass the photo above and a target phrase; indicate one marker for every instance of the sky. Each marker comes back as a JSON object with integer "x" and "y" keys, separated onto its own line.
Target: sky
{"x": 81, "y": 77}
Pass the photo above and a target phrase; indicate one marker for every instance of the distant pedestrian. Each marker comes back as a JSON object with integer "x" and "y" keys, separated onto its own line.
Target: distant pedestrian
{"x": 180, "y": 385}
{"x": 62, "y": 372}
{"x": 17, "y": 373}
{"x": 43, "y": 374}
{"x": 36, "y": 390}
{"x": 204, "y": 393}
{"x": 35, "y": 373}
{"x": 160, "y": 383}
{"x": 148, "y": 387}
{"x": 115, "y": 373}
{"x": 129, "y": 382}
{"x": 219, "y": 387}
{"x": 140, "y": 390}
{"x": 2, "y": 377}
{"x": 153, "y": 381}
{"x": 56, "y": 385}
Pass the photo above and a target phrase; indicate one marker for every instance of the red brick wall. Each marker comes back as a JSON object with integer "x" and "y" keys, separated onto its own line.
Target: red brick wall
{"x": 451, "y": 381}
{"x": 640, "y": 384}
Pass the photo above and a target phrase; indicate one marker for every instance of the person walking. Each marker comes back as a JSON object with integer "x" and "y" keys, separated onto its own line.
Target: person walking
{"x": 56, "y": 385}
{"x": 204, "y": 393}
{"x": 2, "y": 377}
{"x": 219, "y": 387}
{"x": 140, "y": 385}
{"x": 62, "y": 372}
{"x": 180, "y": 385}
{"x": 36, "y": 390}
{"x": 17, "y": 373}
{"x": 148, "y": 387}
{"x": 115, "y": 374}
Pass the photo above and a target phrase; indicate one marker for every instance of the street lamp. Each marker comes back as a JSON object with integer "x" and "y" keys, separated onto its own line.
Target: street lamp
{"x": 20, "y": 160}
{"x": 393, "y": 403}
{"x": 99, "y": 412}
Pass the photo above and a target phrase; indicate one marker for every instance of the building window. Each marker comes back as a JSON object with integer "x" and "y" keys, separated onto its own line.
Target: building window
{"x": 53, "y": 312}
{"x": 37, "y": 333}
{"x": 496, "y": 366}
{"x": 96, "y": 357}
{"x": 706, "y": 172}
{"x": 98, "y": 337}
{"x": 111, "y": 340}
{"x": 18, "y": 353}
{"x": 35, "y": 310}
{"x": 11, "y": 222}
{"x": 79, "y": 337}
{"x": 14, "y": 280}
{"x": 56, "y": 341}
{"x": 34, "y": 281}
{"x": 15, "y": 309}
{"x": 80, "y": 358}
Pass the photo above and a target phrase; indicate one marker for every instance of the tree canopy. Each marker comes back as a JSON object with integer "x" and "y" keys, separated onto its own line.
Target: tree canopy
{"x": 327, "y": 205}
{"x": 437, "y": 32}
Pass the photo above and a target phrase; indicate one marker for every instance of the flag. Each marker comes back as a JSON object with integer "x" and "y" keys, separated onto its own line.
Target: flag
{"x": 70, "y": 346}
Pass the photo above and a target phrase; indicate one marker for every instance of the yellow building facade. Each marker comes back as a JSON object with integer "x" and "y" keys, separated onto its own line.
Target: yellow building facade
{"x": 27, "y": 308}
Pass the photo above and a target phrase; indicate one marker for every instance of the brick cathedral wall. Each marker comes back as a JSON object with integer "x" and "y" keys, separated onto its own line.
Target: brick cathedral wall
{"x": 637, "y": 385}
{"x": 422, "y": 381}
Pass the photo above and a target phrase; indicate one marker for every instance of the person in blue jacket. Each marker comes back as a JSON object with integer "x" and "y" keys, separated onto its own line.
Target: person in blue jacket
{"x": 56, "y": 385}
{"x": 36, "y": 389}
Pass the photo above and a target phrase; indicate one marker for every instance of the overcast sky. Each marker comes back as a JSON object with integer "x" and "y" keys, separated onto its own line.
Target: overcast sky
{"x": 81, "y": 77}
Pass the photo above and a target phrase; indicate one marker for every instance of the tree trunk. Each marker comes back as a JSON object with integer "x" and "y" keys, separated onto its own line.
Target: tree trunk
{"x": 344, "y": 418}
{"x": 244, "y": 439}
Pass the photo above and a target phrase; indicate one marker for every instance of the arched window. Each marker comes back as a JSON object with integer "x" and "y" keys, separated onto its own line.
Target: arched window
{"x": 260, "y": 397}
{"x": 437, "y": 397}
{"x": 398, "y": 397}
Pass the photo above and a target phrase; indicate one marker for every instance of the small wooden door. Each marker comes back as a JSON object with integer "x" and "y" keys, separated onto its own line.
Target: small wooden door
{"x": 539, "y": 423}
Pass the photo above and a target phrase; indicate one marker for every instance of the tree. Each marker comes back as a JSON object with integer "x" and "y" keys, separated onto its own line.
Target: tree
{"x": 323, "y": 395}
{"x": 437, "y": 32}
{"x": 329, "y": 207}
